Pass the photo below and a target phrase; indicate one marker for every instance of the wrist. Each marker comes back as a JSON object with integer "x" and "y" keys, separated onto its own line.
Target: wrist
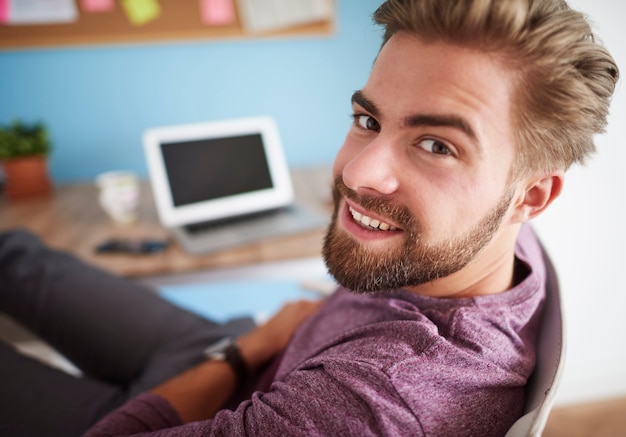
{"x": 254, "y": 350}
{"x": 227, "y": 350}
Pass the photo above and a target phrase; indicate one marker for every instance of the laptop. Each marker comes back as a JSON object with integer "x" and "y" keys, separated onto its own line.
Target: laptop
{"x": 224, "y": 183}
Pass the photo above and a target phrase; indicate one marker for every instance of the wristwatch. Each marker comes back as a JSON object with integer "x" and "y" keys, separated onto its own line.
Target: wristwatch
{"x": 227, "y": 350}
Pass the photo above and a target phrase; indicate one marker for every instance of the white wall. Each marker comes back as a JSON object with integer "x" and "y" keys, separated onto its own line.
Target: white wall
{"x": 585, "y": 233}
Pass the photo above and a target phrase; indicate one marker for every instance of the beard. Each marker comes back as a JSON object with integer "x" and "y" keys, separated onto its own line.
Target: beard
{"x": 414, "y": 262}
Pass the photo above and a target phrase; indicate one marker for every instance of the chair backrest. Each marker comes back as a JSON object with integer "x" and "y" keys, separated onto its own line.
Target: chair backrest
{"x": 541, "y": 387}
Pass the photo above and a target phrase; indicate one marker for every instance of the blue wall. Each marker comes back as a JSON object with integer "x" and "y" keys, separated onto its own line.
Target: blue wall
{"x": 98, "y": 100}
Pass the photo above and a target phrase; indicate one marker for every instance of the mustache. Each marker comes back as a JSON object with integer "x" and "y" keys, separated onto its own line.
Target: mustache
{"x": 381, "y": 205}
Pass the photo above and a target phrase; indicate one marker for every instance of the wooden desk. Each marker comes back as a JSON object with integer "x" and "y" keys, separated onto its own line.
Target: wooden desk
{"x": 71, "y": 219}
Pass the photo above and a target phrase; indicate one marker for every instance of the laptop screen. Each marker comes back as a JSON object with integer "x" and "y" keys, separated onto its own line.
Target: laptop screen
{"x": 212, "y": 168}
{"x": 217, "y": 170}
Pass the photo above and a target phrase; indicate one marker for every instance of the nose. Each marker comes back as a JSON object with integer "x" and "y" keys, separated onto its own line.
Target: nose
{"x": 373, "y": 168}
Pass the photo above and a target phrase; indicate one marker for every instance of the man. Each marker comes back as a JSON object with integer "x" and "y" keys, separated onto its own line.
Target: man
{"x": 471, "y": 115}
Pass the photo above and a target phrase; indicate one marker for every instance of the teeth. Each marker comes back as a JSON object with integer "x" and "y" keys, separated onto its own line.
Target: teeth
{"x": 370, "y": 222}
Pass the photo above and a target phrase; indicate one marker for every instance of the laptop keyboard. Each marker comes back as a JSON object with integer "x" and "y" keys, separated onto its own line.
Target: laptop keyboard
{"x": 231, "y": 222}
{"x": 206, "y": 237}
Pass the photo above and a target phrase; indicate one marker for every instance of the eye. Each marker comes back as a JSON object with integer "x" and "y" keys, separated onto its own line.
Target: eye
{"x": 434, "y": 146}
{"x": 366, "y": 122}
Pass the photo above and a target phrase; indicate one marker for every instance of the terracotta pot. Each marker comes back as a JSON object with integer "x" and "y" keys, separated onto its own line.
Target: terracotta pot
{"x": 26, "y": 176}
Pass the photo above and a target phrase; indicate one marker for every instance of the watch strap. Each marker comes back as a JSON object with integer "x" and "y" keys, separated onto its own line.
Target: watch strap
{"x": 232, "y": 355}
{"x": 228, "y": 350}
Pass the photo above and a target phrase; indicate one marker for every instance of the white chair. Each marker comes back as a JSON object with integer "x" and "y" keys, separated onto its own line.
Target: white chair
{"x": 541, "y": 387}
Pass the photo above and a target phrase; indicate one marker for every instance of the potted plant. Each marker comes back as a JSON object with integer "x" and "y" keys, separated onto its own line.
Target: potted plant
{"x": 24, "y": 150}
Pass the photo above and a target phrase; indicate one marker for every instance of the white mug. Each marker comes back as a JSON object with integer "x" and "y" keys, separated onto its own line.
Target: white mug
{"x": 119, "y": 195}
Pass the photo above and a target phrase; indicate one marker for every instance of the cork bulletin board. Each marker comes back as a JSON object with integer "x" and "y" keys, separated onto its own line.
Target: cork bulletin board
{"x": 163, "y": 20}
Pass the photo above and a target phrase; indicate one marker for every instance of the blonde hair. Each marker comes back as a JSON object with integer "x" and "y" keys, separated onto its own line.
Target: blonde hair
{"x": 565, "y": 77}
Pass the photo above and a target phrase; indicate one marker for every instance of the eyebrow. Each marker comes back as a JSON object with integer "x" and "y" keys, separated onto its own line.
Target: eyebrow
{"x": 359, "y": 98}
{"x": 417, "y": 120}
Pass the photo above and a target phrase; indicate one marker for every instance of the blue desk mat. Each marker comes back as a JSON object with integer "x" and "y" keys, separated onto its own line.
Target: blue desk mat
{"x": 224, "y": 300}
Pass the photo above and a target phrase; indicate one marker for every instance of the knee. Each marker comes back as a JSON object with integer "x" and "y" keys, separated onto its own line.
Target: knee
{"x": 18, "y": 237}
{"x": 17, "y": 243}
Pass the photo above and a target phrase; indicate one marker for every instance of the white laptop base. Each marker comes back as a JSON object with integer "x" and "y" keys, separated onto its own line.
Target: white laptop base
{"x": 205, "y": 238}
{"x": 229, "y": 174}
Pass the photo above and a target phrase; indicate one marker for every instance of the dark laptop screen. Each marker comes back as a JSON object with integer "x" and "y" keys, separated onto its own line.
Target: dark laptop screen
{"x": 202, "y": 170}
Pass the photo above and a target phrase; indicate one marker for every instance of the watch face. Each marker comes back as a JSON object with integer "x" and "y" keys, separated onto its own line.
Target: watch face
{"x": 227, "y": 350}
{"x": 216, "y": 356}
{"x": 217, "y": 351}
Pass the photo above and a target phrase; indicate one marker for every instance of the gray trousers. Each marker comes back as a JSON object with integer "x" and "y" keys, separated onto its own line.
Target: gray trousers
{"x": 122, "y": 335}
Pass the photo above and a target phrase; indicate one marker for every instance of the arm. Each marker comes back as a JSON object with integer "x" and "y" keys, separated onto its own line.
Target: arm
{"x": 335, "y": 391}
{"x": 325, "y": 396}
{"x": 201, "y": 391}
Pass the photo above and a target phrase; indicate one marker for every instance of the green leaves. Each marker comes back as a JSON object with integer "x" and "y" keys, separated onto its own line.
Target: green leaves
{"x": 22, "y": 139}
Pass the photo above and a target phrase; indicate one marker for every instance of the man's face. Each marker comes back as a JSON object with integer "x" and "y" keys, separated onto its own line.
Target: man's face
{"x": 422, "y": 180}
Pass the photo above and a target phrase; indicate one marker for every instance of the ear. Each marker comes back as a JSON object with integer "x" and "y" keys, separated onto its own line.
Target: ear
{"x": 538, "y": 194}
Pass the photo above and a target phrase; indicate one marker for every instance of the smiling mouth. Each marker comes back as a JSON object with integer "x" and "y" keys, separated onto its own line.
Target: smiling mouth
{"x": 370, "y": 223}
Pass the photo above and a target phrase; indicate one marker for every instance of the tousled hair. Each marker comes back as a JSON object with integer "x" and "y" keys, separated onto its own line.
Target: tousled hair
{"x": 565, "y": 77}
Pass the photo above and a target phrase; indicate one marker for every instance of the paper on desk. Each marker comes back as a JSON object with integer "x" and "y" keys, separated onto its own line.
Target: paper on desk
{"x": 38, "y": 11}
{"x": 267, "y": 15}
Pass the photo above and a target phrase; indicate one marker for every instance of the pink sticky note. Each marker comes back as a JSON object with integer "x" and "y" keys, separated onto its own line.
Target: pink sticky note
{"x": 217, "y": 12}
{"x": 4, "y": 11}
{"x": 97, "y": 5}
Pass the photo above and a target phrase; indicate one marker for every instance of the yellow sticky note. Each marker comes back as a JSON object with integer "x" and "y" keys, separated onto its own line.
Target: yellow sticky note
{"x": 140, "y": 12}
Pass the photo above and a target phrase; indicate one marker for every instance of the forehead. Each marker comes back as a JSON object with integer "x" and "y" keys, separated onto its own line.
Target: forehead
{"x": 412, "y": 78}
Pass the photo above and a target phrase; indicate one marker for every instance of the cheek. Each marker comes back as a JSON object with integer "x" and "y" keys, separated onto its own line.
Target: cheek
{"x": 444, "y": 207}
{"x": 433, "y": 213}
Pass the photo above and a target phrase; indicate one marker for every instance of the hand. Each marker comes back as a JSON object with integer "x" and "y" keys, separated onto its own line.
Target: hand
{"x": 201, "y": 391}
{"x": 269, "y": 339}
